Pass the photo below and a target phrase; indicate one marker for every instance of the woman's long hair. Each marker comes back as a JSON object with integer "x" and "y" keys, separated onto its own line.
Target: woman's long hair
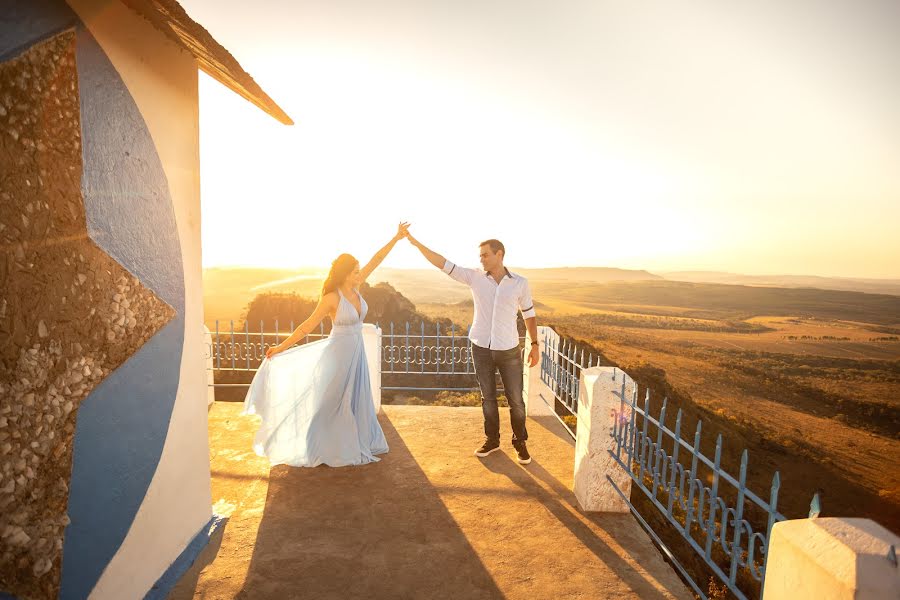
{"x": 342, "y": 266}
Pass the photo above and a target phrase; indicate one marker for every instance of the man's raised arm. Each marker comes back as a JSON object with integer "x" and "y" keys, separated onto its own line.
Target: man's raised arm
{"x": 460, "y": 274}
{"x": 432, "y": 257}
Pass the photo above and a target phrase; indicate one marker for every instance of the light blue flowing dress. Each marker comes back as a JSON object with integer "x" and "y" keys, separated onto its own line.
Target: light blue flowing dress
{"x": 315, "y": 400}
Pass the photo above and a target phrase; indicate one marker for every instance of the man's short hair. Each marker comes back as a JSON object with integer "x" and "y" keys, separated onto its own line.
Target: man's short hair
{"x": 496, "y": 246}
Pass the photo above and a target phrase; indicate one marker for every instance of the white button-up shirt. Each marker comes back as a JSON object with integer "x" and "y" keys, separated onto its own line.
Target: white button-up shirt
{"x": 496, "y": 305}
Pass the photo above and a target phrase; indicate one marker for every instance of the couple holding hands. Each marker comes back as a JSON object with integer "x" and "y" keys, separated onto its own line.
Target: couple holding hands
{"x": 315, "y": 400}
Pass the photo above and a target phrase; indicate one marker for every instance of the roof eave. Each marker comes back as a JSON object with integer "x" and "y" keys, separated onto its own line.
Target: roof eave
{"x": 169, "y": 18}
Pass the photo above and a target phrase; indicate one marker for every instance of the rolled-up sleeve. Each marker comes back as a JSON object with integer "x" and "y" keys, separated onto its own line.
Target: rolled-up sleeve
{"x": 526, "y": 304}
{"x": 460, "y": 274}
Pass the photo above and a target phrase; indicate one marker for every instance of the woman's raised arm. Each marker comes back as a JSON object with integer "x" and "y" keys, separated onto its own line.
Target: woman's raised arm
{"x": 381, "y": 254}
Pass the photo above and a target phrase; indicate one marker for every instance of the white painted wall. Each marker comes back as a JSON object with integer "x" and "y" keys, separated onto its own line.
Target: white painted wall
{"x": 162, "y": 79}
{"x": 539, "y": 398}
{"x": 372, "y": 341}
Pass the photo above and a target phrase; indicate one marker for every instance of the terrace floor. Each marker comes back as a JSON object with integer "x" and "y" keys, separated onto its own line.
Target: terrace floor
{"x": 429, "y": 521}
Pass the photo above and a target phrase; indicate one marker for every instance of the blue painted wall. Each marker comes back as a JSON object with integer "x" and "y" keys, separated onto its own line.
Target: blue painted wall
{"x": 26, "y": 22}
{"x": 122, "y": 425}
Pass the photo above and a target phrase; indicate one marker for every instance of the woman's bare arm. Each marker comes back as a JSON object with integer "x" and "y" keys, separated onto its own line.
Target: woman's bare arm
{"x": 327, "y": 305}
{"x": 382, "y": 254}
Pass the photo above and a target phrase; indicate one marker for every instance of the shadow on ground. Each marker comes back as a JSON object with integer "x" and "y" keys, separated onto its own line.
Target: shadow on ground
{"x": 552, "y": 425}
{"x": 561, "y": 503}
{"x": 429, "y": 521}
{"x": 377, "y": 531}
{"x": 187, "y": 585}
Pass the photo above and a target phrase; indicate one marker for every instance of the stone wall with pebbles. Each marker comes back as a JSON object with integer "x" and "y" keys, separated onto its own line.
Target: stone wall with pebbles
{"x": 69, "y": 314}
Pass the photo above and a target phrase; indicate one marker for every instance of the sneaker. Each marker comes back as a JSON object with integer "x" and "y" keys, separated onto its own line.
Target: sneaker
{"x": 486, "y": 448}
{"x": 522, "y": 455}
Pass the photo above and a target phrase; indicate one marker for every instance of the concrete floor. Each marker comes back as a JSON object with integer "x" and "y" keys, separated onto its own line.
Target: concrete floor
{"x": 429, "y": 521}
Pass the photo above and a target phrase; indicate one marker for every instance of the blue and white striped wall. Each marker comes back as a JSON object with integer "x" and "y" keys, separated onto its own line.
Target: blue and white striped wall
{"x": 140, "y": 482}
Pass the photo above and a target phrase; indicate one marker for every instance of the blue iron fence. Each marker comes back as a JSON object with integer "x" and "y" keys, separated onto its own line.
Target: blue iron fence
{"x": 561, "y": 365}
{"x": 243, "y": 350}
{"x": 713, "y": 519}
{"x": 406, "y": 351}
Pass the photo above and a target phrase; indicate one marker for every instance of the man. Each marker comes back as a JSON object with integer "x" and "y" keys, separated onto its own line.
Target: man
{"x": 498, "y": 296}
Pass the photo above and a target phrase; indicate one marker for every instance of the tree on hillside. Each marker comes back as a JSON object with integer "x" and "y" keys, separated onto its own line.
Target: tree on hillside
{"x": 265, "y": 308}
{"x": 386, "y": 305}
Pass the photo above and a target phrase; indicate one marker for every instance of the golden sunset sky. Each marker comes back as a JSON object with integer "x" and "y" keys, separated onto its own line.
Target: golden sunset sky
{"x": 760, "y": 137}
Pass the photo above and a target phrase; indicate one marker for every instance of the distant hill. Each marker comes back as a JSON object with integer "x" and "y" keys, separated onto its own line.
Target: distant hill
{"x": 585, "y": 274}
{"x": 385, "y": 305}
{"x": 725, "y": 301}
{"x": 227, "y": 292}
{"x": 431, "y": 285}
{"x": 225, "y": 281}
{"x": 850, "y": 284}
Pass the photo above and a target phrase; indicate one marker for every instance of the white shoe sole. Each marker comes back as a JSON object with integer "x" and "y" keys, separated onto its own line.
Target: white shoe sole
{"x": 483, "y": 454}
{"x": 522, "y": 462}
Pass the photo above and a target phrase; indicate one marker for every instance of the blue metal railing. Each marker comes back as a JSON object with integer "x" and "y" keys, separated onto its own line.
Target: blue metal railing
{"x": 701, "y": 513}
{"x": 404, "y": 352}
{"x": 667, "y": 468}
{"x": 561, "y": 365}
{"x": 243, "y": 350}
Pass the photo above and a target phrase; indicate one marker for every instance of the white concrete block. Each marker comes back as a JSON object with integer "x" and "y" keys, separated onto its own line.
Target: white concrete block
{"x": 598, "y": 402}
{"x": 831, "y": 559}
{"x": 372, "y": 343}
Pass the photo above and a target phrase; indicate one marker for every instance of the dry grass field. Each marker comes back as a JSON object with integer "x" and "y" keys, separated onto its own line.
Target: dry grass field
{"x": 813, "y": 396}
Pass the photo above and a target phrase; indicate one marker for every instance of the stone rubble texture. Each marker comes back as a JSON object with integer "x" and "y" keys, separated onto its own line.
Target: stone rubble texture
{"x": 69, "y": 313}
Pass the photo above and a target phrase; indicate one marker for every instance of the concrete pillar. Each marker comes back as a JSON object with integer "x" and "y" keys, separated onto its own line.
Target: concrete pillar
{"x": 831, "y": 559}
{"x": 598, "y": 399}
{"x": 210, "y": 390}
{"x": 539, "y": 399}
{"x": 372, "y": 343}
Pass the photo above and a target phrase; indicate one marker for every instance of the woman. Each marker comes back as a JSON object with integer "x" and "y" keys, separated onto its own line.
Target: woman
{"x": 315, "y": 400}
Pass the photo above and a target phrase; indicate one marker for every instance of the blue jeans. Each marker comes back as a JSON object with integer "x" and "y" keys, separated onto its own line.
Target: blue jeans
{"x": 509, "y": 363}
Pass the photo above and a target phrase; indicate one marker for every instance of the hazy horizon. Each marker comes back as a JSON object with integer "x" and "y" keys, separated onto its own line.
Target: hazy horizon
{"x": 660, "y": 272}
{"x": 750, "y": 139}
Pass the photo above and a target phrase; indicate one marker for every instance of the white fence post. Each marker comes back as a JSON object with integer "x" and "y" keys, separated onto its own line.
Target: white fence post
{"x": 539, "y": 398}
{"x": 372, "y": 343}
{"x": 831, "y": 559}
{"x": 210, "y": 380}
{"x": 598, "y": 399}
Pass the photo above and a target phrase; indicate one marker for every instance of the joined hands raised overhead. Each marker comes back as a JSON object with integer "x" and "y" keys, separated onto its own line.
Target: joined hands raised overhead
{"x": 402, "y": 230}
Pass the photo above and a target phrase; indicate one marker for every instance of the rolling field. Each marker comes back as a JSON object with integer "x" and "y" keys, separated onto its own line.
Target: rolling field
{"x": 810, "y": 395}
